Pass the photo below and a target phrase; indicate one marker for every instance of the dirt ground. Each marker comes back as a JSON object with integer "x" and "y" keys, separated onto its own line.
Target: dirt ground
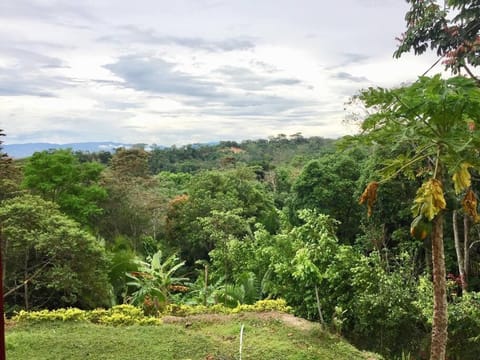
{"x": 287, "y": 319}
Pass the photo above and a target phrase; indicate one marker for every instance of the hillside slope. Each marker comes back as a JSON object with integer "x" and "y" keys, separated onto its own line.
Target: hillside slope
{"x": 267, "y": 336}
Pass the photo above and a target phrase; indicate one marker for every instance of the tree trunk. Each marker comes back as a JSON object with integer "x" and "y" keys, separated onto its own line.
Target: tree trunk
{"x": 25, "y": 282}
{"x": 440, "y": 315}
{"x": 459, "y": 250}
{"x": 466, "y": 248}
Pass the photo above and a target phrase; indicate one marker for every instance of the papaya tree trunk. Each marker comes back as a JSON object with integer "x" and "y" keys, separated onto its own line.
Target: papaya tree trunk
{"x": 440, "y": 315}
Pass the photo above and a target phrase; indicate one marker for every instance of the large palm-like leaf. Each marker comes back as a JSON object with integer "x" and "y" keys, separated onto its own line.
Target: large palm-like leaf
{"x": 154, "y": 278}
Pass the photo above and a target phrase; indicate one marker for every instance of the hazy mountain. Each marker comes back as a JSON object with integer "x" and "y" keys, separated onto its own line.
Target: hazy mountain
{"x": 19, "y": 151}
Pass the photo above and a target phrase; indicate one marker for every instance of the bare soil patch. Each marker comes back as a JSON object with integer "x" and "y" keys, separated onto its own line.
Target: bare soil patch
{"x": 288, "y": 319}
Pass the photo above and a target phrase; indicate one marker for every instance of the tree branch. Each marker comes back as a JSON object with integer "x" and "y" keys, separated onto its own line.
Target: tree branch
{"x": 471, "y": 74}
{"x": 26, "y": 281}
{"x": 434, "y": 64}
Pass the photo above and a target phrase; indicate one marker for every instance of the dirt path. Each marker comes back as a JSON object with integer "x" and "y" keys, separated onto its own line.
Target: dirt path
{"x": 287, "y": 319}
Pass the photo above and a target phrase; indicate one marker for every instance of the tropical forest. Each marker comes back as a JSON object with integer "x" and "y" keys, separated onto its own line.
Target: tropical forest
{"x": 370, "y": 242}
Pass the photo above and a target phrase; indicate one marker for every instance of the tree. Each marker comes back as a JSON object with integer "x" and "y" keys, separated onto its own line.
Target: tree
{"x": 49, "y": 260}
{"x": 10, "y": 175}
{"x": 329, "y": 186}
{"x": 220, "y": 191}
{"x": 130, "y": 163}
{"x": 154, "y": 281}
{"x": 438, "y": 121}
{"x": 58, "y": 176}
{"x": 453, "y": 30}
{"x": 134, "y": 202}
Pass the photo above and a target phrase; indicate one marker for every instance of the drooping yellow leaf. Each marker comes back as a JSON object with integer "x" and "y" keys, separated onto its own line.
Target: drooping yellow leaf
{"x": 462, "y": 178}
{"x": 429, "y": 200}
{"x": 469, "y": 203}
{"x": 369, "y": 196}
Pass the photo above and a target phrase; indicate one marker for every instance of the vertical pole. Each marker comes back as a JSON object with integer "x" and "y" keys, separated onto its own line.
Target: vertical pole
{"x": 241, "y": 342}
{"x": 319, "y": 306}
{"x": 2, "y": 311}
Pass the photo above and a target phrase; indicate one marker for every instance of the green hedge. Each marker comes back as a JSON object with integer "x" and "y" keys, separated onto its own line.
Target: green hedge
{"x": 132, "y": 315}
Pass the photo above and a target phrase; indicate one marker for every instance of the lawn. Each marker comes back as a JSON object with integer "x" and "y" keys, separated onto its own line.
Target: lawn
{"x": 266, "y": 336}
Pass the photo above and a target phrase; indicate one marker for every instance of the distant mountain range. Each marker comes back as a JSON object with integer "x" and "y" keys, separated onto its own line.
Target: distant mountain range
{"x": 19, "y": 151}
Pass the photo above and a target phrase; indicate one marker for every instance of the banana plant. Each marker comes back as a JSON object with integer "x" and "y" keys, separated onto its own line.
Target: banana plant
{"x": 154, "y": 280}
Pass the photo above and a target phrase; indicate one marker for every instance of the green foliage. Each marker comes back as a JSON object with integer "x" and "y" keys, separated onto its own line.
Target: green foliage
{"x": 10, "y": 176}
{"x": 57, "y": 263}
{"x": 450, "y": 27}
{"x": 122, "y": 261}
{"x": 119, "y": 315}
{"x": 130, "y": 163}
{"x": 382, "y": 313}
{"x": 279, "y": 305}
{"x": 154, "y": 280}
{"x": 228, "y": 199}
{"x": 464, "y": 327}
{"x": 133, "y": 315}
{"x": 435, "y": 121}
{"x": 245, "y": 290}
{"x": 266, "y": 154}
{"x": 134, "y": 205}
{"x": 328, "y": 185}
{"x": 463, "y": 320}
{"x": 58, "y": 176}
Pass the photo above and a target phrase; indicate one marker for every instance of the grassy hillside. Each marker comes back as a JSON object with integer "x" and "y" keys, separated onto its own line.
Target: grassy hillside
{"x": 205, "y": 337}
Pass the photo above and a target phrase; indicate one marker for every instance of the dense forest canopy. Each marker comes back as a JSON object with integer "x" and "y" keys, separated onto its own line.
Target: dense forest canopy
{"x": 236, "y": 222}
{"x": 233, "y": 223}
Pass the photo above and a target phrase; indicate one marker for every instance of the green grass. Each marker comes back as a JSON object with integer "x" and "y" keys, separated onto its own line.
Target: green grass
{"x": 215, "y": 338}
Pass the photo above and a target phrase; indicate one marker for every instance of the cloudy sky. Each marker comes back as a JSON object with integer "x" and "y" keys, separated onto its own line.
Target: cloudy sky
{"x": 187, "y": 71}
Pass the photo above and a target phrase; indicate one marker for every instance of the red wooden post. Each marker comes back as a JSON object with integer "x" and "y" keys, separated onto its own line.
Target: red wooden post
{"x": 3, "y": 350}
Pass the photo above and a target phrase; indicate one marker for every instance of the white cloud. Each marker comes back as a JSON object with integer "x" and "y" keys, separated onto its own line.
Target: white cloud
{"x": 157, "y": 71}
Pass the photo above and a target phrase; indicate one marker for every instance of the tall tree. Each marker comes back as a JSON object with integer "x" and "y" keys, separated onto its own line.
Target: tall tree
{"x": 10, "y": 175}
{"x": 50, "y": 260}
{"x": 328, "y": 185}
{"x": 452, "y": 29}
{"x": 134, "y": 202}
{"x": 58, "y": 176}
{"x": 438, "y": 121}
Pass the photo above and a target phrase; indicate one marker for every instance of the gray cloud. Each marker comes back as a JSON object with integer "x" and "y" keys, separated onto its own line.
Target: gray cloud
{"x": 246, "y": 79}
{"x": 349, "y": 77}
{"x": 243, "y": 93}
{"x": 120, "y": 105}
{"x": 28, "y": 58}
{"x": 354, "y": 58}
{"x": 348, "y": 59}
{"x": 30, "y": 74}
{"x": 18, "y": 83}
{"x": 133, "y": 34}
{"x": 159, "y": 76}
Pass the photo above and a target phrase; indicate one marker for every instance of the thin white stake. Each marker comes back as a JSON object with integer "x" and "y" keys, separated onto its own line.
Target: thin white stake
{"x": 241, "y": 341}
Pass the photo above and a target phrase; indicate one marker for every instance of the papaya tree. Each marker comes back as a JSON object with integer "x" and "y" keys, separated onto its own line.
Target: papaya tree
{"x": 436, "y": 122}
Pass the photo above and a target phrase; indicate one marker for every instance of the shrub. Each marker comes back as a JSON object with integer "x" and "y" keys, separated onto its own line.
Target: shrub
{"x": 124, "y": 315}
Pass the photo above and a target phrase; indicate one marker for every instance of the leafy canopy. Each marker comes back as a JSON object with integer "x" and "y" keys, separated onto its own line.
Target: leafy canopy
{"x": 435, "y": 122}
{"x": 451, "y": 27}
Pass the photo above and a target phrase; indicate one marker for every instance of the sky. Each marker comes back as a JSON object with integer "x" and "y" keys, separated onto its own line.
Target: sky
{"x": 192, "y": 71}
